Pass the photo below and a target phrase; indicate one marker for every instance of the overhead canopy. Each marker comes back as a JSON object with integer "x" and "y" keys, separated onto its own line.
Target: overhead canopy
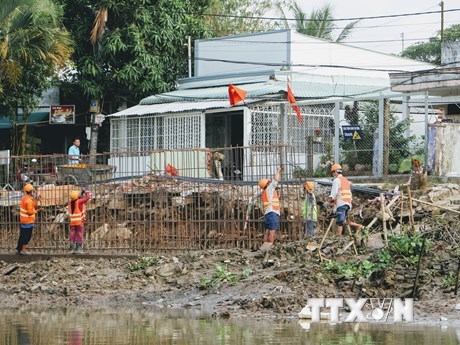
{"x": 36, "y": 117}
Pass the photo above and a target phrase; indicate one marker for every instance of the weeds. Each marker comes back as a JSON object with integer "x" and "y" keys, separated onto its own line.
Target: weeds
{"x": 352, "y": 269}
{"x": 143, "y": 262}
{"x": 449, "y": 280}
{"x": 408, "y": 247}
{"x": 221, "y": 275}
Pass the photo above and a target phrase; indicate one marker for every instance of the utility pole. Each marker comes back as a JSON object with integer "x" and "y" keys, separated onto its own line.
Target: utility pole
{"x": 442, "y": 20}
{"x": 402, "y": 40}
{"x": 94, "y": 110}
{"x": 189, "y": 52}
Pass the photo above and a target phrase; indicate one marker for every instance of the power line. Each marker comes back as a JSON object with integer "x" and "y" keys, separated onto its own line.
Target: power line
{"x": 308, "y": 20}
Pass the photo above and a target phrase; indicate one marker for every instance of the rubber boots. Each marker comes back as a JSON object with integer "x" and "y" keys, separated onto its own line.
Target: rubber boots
{"x": 72, "y": 248}
{"x": 79, "y": 249}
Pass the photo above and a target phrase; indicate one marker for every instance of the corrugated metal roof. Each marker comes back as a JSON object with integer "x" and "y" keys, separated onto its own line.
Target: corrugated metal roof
{"x": 308, "y": 87}
{"x": 175, "y": 107}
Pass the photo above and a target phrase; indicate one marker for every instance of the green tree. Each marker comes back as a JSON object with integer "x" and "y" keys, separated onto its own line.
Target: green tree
{"x": 318, "y": 23}
{"x": 138, "y": 51}
{"x": 33, "y": 45}
{"x": 233, "y": 17}
{"x": 31, "y": 32}
{"x": 362, "y": 151}
{"x": 431, "y": 51}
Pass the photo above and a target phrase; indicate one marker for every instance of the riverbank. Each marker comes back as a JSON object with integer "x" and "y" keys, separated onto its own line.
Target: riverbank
{"x": 239, "y": 283}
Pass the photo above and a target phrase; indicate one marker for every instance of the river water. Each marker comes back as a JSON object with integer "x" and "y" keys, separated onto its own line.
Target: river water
{"x": 140, "y": 326}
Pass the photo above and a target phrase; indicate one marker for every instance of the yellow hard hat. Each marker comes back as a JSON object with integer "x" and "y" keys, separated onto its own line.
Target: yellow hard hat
{"x": 28, "y": 187}
{"x": 263, "y": 183}
{"x": 74, "y": 194}
{"x": 309, "y": 185}
{"x": 335, "y": 167}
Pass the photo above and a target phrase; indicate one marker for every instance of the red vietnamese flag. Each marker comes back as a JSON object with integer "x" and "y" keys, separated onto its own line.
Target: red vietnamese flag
{"x": 291, "y": 99}
{"x": 235, "y": 94}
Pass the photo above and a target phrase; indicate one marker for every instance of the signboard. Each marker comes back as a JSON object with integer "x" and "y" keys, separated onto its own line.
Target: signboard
{"x": 62, "y": 114}
{"x": 352, "y": 132}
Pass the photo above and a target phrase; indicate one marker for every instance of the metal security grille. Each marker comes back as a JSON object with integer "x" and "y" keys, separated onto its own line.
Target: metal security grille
{"x": 137, "y": 134}
{"x": 265, "y": 121}
{"x": 182, "y": 131}
{"x": 317, "y": 122}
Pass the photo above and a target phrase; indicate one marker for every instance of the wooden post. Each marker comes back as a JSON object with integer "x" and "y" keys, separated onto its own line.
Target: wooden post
{"x": 401, "y": 211}
{"x": 411, "y": 214}
{"x": 418, "y": 268}
{"x": 324, "y": 238}
{"x": 456, "y": 278}
{"x": 310, "y": 156}
{"x": 382, "y": 204}
{"x": 386, "y": 136}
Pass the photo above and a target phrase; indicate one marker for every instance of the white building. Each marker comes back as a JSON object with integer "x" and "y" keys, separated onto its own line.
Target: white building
{"x": 198, "y": 114}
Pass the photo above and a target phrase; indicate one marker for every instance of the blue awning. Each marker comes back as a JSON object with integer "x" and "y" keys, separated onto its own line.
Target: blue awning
{"x": 35, "y": 118}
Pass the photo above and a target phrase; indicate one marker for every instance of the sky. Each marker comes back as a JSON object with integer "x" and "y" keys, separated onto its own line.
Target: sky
{"x": 414, "y": 28}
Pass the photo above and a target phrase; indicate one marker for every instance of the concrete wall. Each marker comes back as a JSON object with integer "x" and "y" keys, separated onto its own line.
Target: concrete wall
{"x": 450, "y": 53}
{"x": 264, "y": 49}
{"x": 447, "y": 146}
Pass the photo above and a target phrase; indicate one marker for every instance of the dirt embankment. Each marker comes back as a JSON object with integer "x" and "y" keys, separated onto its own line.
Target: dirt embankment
{"x": 240, "y": 283}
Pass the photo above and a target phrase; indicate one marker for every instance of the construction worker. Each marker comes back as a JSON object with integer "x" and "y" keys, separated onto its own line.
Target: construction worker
{"x": 271, "y": 204}
{"x": 342, "y": 198}
{"x": 76, "y": 213}
{"x": 27, "y": 212}
{"x": 309, "y": 210}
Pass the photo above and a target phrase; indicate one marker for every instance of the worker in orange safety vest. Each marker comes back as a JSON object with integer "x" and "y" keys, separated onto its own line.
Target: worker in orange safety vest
{"x": 76, "y": 211}
{"x": 342, "y": 198}
{"x": 27, "y": 212}
{"x": 271, "y": 204}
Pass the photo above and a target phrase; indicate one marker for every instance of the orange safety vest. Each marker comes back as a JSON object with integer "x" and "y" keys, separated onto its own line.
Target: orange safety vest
{"x": 76, "y": 218}
{"x": 344, "y": 190}
{"x": 275, "y": 202}
{"x": 25, "y": 217}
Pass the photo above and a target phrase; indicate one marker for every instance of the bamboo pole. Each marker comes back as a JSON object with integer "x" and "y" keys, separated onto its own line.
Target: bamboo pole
{"x": 434, "y": 205}
{"x": 456, "y": 278}
{"x": 324, "y": 238}
{"x": 382, "y": 204}
{"x": 418, "y": 268}
{"x": 390, "y": 204}
{"x": 411, "y": 213}
{"x": 402, "y": 210}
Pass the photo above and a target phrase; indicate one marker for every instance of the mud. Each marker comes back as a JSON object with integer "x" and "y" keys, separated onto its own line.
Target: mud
{"x": 231, "y": 283}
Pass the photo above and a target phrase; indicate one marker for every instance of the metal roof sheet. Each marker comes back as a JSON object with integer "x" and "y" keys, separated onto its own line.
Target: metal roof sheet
{"x": 308, "y": 87}
{"x": 175, "y": 107}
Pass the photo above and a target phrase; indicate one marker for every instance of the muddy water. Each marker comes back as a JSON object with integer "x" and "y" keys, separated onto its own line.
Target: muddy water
{"x": 103, "y": 326}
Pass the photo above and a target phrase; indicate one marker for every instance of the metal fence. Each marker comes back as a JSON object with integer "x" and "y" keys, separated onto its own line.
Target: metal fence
{"x": 198, "y": 198}
{"x": 149, "y": 209}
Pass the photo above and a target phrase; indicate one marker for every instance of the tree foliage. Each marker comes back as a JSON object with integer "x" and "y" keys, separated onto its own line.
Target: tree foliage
{"x": 233, "y": 17}
{"x": 33, "y": 45}
{"x": 31, "y": 33}
{"x": 140, "y": 51}
{"x": 361, "y": 151}
{"x": 318, "y": 23}
{"x": 431, "y": 51}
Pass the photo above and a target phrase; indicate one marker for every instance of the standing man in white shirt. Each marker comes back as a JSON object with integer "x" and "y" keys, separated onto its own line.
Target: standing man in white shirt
{"x": 74, "y": 152}
{"x": 342, "y": 198}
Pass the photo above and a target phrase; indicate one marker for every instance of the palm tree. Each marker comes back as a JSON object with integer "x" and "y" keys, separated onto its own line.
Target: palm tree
{"x": 319, "y": 23}
{"x": 30, "y": 33}
{"x": 33, "y": 45}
